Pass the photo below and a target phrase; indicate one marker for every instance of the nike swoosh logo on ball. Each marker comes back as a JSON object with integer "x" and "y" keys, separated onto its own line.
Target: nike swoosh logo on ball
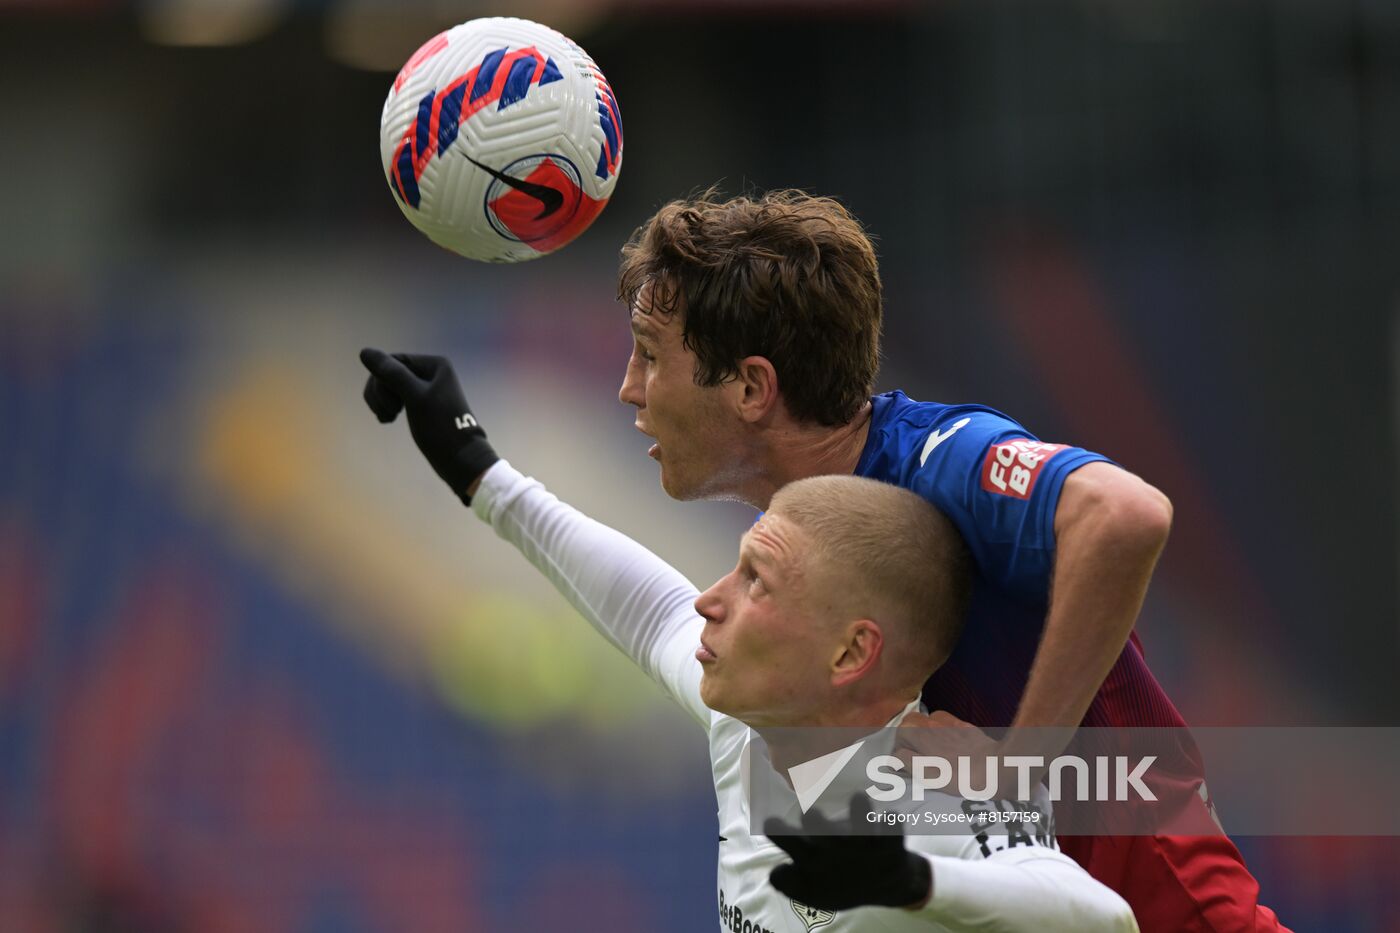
{"x": 550, "y": 199}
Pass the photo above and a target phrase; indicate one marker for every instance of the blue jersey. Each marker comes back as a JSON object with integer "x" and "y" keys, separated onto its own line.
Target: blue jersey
{"x": 999, "y": 485}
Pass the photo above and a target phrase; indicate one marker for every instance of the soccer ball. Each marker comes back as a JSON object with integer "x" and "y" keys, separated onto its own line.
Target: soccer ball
{"x": 501, "y": 140}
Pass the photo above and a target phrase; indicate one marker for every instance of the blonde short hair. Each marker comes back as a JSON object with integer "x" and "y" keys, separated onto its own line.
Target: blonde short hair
{"x": 887, "y": 554}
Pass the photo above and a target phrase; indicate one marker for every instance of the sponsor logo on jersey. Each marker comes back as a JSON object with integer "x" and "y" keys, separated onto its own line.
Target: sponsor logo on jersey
{"x": 733, "y": 919}
{"x": 1012, "y": 467}
{"x": 811, "y": 917}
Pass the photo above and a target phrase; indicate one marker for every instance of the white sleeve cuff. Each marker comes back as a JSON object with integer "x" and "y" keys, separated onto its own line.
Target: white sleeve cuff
{"x": 500, "y": 478}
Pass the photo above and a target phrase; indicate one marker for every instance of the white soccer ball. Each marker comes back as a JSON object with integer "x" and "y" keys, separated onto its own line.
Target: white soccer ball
{"x": 501, "y": 140}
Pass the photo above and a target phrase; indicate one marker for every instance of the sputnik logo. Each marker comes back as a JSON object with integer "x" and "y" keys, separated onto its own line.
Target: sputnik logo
{"x": 811, "y": 778}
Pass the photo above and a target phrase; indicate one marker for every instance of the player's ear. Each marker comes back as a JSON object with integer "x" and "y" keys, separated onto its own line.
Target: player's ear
{"x": 756, "y": 388}
{"x": 859, "y": 652}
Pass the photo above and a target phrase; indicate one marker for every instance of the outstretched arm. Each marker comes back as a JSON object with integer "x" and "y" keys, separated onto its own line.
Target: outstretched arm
{"x": 638, "y": 601}
{"x": 635, "y": 599}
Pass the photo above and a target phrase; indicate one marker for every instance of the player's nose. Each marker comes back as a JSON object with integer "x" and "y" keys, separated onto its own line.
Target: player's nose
{"x": 709, "y": 605}
{"x": 631, "y": 392}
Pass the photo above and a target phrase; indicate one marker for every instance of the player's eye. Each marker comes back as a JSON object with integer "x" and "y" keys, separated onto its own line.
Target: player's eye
{"x": 644, "y": 353}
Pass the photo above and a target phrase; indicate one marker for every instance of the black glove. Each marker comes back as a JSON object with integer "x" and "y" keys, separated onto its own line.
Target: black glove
{"x": 442, "y": 425}
{"x": 832, "y": 872}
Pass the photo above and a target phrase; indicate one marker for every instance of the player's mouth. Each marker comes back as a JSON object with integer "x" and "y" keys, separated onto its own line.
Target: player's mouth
{"x": 655, "y": 451}
{"x": 703, "y": 654}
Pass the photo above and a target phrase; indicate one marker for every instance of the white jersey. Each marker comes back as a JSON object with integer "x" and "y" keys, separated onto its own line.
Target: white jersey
{"x": 646, "y": 608}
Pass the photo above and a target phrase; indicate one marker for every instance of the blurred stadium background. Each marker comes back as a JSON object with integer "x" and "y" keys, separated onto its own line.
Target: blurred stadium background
{"x": 258, "y": 671}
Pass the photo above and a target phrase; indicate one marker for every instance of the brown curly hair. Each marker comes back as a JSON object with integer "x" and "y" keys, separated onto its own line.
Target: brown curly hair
{"x": 787, "y": 276}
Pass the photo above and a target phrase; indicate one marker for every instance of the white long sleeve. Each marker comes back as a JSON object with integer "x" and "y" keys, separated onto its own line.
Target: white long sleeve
{"x": 1027, "y": 889}
{"x": 640, "y": 603}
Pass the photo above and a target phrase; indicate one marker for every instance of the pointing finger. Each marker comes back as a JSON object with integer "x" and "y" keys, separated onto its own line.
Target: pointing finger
{"x": 394, "y": 374}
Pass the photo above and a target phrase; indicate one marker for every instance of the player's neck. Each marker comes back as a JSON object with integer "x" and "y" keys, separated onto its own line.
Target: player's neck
{"x": 796, "y": 450}
{"x": 796, "y": 742}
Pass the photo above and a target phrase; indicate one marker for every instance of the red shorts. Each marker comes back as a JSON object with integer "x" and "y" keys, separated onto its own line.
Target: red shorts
{"x": 1177, "y": 884}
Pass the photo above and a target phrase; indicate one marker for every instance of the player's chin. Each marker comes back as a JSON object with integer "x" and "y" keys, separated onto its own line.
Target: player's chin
{"x": 710, "y": 693}
{"x": 676, "y": 486}
{"x": 693, "y": 483}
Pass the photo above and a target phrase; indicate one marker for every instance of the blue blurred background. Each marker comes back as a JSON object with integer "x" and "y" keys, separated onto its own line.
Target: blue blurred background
{"x": 260, "y": 672}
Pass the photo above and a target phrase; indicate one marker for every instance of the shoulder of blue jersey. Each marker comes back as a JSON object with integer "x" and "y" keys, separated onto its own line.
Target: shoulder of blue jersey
{"x": 918, "y": 429}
